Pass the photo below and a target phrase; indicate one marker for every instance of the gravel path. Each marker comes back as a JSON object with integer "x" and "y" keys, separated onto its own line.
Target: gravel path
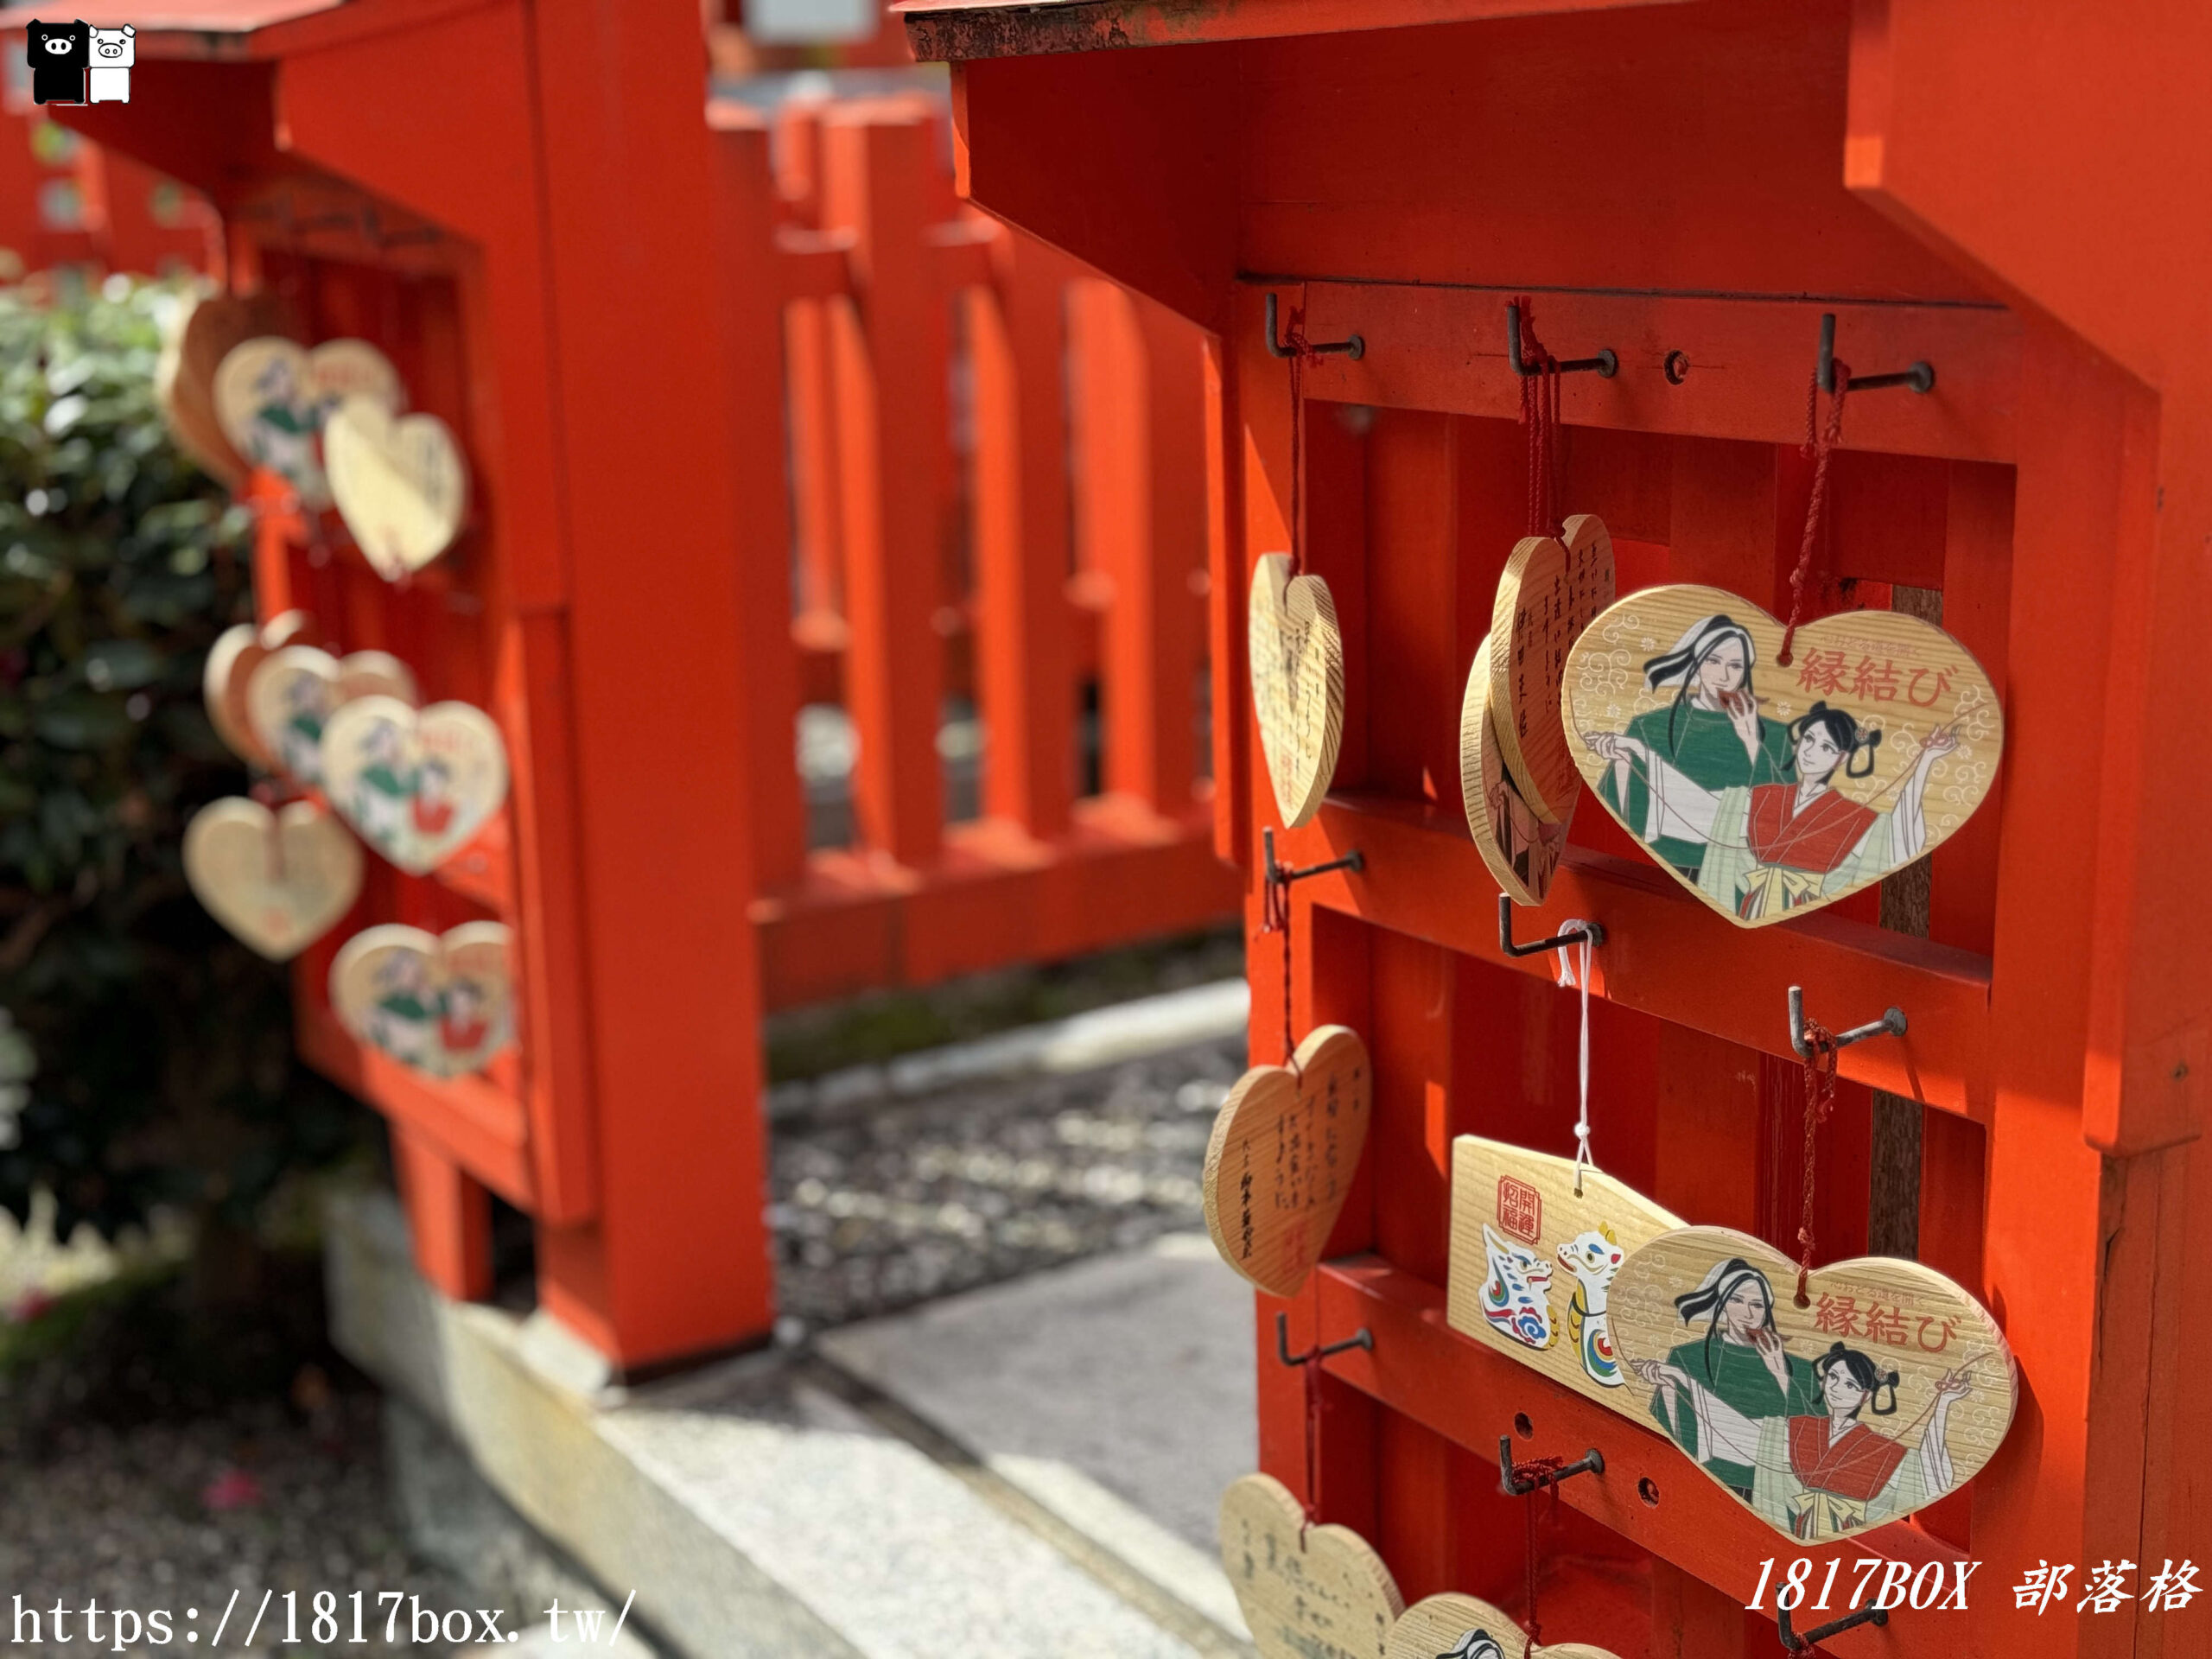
{"x": 262, "y": 1497}
{"x": 879, "y": 1208}
{"x": 875, "y": 1208}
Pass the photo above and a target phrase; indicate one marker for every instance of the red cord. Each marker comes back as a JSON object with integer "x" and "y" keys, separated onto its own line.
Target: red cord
{"x": 1820, "y": 1099}
{"x": 1540, "y": 414}
{"x": 1312, "y": 1498}
{"x": 1525, "y": 1471}
{"x": 1819, "y": 446}
{"x": 1301, "y": 351}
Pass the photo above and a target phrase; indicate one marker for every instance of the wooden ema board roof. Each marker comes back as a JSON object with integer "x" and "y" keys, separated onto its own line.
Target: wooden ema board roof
{"x": 1697, "y": 186}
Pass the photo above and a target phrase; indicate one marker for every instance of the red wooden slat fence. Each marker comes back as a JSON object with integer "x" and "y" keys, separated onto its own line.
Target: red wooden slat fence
{"x": 1052, "y": 530}
{"x": 730, "y": 485}
{"x": 64, "y": 200}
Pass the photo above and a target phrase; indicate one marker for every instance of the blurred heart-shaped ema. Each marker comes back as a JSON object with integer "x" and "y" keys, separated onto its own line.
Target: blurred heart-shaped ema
{"x": 293, "y": 692}
{"x": 443, "y": 1006}
{"x": 272, "y": 397}
{"x": 399, "y": 483}
{"x": 231, "y": 662}
{"x": 415, "y": 784}
{"x": 277, "y": 880}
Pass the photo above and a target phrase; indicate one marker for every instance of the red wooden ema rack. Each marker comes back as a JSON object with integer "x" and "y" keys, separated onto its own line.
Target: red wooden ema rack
{"x": 1710, "y": 180}
{"x": 611, "y": 342}
{"x": 526, "y": 280}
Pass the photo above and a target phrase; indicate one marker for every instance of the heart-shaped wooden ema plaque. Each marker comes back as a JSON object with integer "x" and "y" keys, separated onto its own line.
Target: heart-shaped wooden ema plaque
{"x": 1768, "y": 790}
{"x": 272, "y": 398}
{"x": 1550, "y": 591}
{"x": 1533, "y": 1262}
{"x": 1456, "y": 1626}
{"x": 292, "y": 693}
{"x": 399, "y": 483}
{"x": 278, "y": 881}
{"x": 184, "y": 378}
{"x": 1520, "y": 849}
{"x": 441, "y": 1005}
{"x": 1892, "y": 1387}
{"x": 1280, "y": 1161}
{"x": 1298, "y": 683}
{"x": 414, "y": 785}
{"x": 231, "y": 661}
{"x": 1306, "y": 1592}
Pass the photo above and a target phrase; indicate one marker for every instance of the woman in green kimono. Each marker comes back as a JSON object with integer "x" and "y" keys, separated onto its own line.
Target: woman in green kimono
{"x": 1739, "y": 1362}
{"x": 1713, "y": 733}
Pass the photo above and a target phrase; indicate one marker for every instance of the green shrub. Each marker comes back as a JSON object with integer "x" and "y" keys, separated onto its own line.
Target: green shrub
{"x": 157, "y": 1049}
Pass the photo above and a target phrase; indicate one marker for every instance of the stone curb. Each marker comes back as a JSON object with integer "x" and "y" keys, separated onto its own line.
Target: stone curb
{"x": 1081, "y": 1043}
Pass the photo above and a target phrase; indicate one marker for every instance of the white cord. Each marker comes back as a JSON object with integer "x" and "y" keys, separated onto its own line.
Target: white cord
{"x": 1568, "y": 978}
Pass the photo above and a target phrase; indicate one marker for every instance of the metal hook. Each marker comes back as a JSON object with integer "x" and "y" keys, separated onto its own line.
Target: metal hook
{"x": 1591, "y": 930}
{"x": 1354, "y": 349}
{"x": 1793, "y": 1643}
{"x": 1921, "y": 377}
{"x": 1604, "y": 363}
{"x": 1281, "y": 875}
{"x": 1891, "y": 1024}
{"x": 1362, "y": 1338}
{"x": 1592, "y": 1462}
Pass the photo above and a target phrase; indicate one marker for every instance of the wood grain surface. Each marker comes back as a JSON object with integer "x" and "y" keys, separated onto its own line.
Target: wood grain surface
{"x": 1548, "y": 594}
{"x": 1280, "y": 1161}
{"x": 1306, "y": 1592}
{"x": 398, "y": 482}
{"x": 1298, "y": 683}
{"x": 1519, "y": 848}
{"x": 1517, "y": 1222}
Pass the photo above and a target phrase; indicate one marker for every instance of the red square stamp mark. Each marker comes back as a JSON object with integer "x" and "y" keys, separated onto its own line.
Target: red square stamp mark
{"x": 1520, "y": 1209}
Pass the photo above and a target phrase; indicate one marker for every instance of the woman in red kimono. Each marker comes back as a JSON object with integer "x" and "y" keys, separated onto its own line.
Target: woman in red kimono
{"x": 433, "y": 802}
{"x": 462, "y": 1022}
{"x": 1850, "y": 1476}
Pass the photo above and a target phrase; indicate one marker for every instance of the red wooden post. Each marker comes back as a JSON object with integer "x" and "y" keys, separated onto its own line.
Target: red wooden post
{"x": 890, "y": 346}
{"x": 752, "y": 315}
{"x": 449, "y": 1214}
{"x": 1025, "y": 674}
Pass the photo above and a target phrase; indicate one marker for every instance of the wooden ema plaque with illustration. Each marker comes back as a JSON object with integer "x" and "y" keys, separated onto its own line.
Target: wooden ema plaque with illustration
{"x": 1888, "y": 1390}
{"x": 1533, "y": 1263}
{"x": 1768, "y": 789}
{"x": 441, "y": 1005}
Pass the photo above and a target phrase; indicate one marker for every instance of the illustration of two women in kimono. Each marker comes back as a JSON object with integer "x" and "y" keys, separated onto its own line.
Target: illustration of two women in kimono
{"x": 1784, "y": 1435}
{"x": 1759, "y": 827}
